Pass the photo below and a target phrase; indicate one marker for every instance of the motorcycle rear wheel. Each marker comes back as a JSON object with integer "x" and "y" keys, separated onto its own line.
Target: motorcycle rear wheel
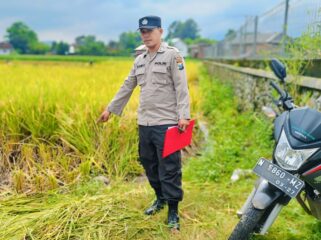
{"x": 248, "y": 224}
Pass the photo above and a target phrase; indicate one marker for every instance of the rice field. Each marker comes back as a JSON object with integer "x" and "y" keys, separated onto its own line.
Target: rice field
{"x": 48, "y": 131}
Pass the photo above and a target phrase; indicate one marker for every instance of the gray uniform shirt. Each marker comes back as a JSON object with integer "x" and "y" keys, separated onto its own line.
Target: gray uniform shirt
{"x": 164, "y": 96}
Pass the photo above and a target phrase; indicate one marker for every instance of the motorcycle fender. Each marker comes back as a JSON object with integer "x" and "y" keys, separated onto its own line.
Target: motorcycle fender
{"x": 265, "y": 195}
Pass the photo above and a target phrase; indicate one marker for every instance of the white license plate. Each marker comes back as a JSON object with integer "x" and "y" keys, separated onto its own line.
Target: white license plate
{"x": 288, "y": 183}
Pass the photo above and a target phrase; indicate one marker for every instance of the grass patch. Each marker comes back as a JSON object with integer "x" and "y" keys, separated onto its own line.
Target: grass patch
{"x": 236, "y": 140}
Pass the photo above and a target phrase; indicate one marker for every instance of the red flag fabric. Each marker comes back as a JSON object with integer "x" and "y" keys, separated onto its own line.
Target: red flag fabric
{"x": 176, "y": 140}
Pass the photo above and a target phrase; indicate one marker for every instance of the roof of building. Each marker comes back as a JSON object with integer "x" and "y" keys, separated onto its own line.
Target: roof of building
{"x": 5, "y": 45}
{"x": 140, "y": 48}
{"x": 176, "y": 40}
{"x": 143, "y": 47}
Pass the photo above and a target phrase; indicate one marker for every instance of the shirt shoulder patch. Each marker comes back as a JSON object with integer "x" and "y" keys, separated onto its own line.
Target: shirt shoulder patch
{"x": 179, "y": 61}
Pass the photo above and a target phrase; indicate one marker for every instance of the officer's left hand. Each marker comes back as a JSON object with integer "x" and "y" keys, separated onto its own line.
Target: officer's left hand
{"x": 182, "y": 124}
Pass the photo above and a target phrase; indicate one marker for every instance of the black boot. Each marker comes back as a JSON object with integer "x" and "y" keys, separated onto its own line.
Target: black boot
{"x": 156, "y": 207}
{"x": 173, "y": 218}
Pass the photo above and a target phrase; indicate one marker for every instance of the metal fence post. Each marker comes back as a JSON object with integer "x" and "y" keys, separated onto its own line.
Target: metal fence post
{"x": 285, "y": 26}
{"x": 256, "y": 19}
{"x": 241, "y": 41}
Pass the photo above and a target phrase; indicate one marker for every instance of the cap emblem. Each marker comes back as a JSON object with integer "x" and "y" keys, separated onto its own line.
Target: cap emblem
{"x": 144, "y": 21}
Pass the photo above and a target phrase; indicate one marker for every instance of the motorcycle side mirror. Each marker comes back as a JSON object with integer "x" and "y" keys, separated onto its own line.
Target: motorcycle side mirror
{"x": 279, "y": 69}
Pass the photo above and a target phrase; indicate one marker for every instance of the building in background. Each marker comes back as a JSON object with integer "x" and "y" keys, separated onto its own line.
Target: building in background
{"x": 175, "y": 42}
{"x": 72, "y": 49}
{"x": 139, "y": 50}
{"x": 250, "y": 46}
{"x": 5, "y": 48}
{"x": 180, "y": 45}
{"x": 201, "y": 50}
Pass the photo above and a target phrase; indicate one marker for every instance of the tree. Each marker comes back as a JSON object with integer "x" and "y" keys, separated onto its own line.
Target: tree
{"x": 113, "y": 45}
{"x": 21, "y": 37}
{"x": 81, "y": 40}
{"x": 38, "y": 48}
{"x": 184, "y": 30}
{"x": 128, "y": 41}
{"x": 113, "y": 48}
{"x": 126, "y": 44}
{"x": 60, "y": 48}
{"x": 190, "y": 29}
{"x": 230, "y": 34}
{"x": 189, "y": 41}
{"x": 88, "y": 45}
{"x": 174, "y": 29}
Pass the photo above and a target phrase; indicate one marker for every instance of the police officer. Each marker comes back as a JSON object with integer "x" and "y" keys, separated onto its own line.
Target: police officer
{"x": 164, "y": 102}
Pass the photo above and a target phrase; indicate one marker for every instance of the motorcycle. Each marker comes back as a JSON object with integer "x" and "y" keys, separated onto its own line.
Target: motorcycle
{"x": 295, "y": 169}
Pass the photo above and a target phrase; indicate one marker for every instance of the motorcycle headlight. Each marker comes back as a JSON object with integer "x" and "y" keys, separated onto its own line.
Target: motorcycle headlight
{"x": 288, "y": 158}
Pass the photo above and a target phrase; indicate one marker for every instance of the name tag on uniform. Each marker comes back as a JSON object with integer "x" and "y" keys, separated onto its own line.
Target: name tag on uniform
{"x": 160, "y": 63}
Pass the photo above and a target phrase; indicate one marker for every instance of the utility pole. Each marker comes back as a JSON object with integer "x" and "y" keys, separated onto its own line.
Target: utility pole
{"x": 285, "y": 26}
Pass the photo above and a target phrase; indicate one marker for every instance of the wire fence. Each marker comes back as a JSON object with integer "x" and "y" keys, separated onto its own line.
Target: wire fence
{"x": 266, "y": 35}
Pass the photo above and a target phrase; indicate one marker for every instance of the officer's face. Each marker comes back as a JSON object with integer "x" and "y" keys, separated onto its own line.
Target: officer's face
{"x": 151, "y": 37}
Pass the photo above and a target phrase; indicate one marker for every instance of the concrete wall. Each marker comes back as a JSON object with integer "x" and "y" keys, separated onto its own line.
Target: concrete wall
{"x": 252, "y": 86}
{"x": 311, "y": 68}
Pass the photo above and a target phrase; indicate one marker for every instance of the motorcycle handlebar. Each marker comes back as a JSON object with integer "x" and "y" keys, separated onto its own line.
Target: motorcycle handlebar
{"x": 278, "y": 89}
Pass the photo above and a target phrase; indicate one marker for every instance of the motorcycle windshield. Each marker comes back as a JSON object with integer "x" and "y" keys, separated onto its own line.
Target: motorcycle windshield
{"x": 305, "y": 124}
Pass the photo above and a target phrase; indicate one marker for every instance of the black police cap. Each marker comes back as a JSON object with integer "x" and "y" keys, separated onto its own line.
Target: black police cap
{"x": 150, "y": 22}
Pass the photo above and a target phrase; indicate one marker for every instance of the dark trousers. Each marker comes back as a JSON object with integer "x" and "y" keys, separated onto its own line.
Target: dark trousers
{"x": 164, "y": 174}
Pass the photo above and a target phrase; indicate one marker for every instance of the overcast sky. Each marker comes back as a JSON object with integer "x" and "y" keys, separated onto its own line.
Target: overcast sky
{"x": 106, "y": 19}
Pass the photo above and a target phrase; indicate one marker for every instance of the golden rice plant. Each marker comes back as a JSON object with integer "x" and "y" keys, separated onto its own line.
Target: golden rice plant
{"x": 48, "y": 131}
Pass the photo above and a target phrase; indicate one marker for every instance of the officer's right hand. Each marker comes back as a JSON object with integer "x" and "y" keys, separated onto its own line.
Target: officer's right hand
{"x": 104, "y": 116}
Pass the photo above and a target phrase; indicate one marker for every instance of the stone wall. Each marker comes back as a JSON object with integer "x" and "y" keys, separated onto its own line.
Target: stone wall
{"x": 252, "y": 86}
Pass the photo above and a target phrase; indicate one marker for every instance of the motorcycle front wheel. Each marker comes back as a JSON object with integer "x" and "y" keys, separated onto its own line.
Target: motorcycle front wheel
{"x": 248, "y": 224}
